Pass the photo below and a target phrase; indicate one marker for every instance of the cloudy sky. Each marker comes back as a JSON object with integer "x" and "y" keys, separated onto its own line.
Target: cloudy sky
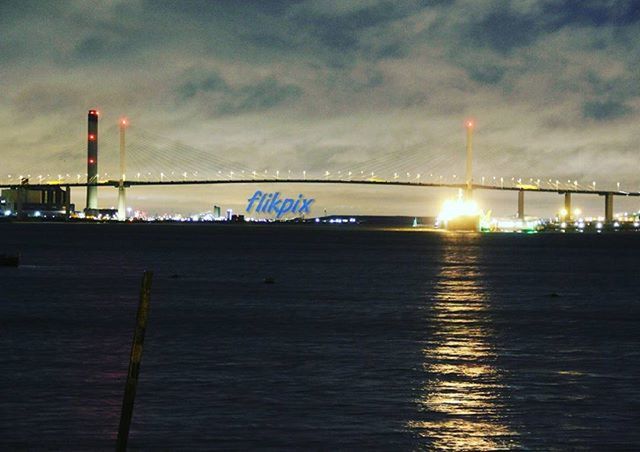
{"x": 316, "y": 86}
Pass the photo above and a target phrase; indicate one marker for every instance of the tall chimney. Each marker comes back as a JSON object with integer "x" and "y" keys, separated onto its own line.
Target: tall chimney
{"x": 92, "y": 161}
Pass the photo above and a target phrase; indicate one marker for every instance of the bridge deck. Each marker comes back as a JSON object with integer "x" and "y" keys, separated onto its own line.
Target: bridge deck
{"x": 113, "y": 183}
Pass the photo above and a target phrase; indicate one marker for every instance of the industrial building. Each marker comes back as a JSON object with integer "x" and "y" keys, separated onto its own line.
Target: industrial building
{"x": 36, "y": 201}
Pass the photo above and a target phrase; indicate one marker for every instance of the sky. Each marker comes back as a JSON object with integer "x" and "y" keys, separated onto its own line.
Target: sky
{"x": 317, "y": 86}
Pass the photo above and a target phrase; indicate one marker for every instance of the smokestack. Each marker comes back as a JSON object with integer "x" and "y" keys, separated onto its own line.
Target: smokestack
{"x": 92, "y": 161}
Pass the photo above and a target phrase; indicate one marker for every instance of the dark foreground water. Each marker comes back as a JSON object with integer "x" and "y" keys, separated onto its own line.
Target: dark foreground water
{"x": 367, "y": 340}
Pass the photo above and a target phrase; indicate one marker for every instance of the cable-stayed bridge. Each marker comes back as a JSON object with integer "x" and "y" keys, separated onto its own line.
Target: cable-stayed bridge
{"x": 153, "y": 160}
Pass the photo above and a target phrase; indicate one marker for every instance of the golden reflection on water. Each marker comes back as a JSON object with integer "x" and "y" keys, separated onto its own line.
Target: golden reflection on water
{"x": 461, "y": 406}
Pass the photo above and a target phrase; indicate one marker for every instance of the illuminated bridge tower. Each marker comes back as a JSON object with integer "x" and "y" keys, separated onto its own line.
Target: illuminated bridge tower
{"x": 469, "y": 174}
{"x": 122, "y": 197}
{"x": 92, "y": 162}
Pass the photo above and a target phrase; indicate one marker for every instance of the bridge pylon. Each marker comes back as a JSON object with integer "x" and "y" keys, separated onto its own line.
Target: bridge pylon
{"x": 469, "y": 125}
{"x": 122, "y": 196}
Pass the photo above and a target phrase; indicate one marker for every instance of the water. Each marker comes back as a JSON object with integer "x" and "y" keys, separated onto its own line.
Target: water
{"x": 368, "y": 339}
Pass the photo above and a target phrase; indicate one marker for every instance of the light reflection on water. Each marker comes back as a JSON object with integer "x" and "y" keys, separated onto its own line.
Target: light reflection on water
{"x": 462, "y": 397}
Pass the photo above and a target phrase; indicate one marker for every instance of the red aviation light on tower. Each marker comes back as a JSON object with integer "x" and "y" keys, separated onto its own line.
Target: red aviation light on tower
{"x": 469, "y": 123}
{"x": 92, "y": 137}
{"x": 124, "y": 122}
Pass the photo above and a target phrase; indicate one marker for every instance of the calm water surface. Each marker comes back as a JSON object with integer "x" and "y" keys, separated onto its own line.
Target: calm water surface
{"x": 383, "y": 340}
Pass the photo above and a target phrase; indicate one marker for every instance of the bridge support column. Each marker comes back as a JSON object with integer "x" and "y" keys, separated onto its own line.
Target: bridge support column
{"x": 521, "y": 204}
{"x": 67, "y": 202}
{"x": 608, "y": 207}
{"x": 20, "y": 198}
{"x": 567, "y": 205}
{"x": 122, "y": 209}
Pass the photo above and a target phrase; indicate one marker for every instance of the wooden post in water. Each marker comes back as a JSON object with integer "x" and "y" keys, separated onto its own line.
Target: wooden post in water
{"x": 134, "y": 363}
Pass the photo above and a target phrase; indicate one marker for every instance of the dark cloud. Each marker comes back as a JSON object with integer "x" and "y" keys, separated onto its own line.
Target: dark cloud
{"x": 340, "y": 32}
{"x": 263, "y": 95}
{"x": 209, "y": 83}
{"x": 605, "y": 110}
{"x": 592, "y": 12}
{"x": 226, "y": 99}
{"x": 504, "y": 30}
{"x": 490, "y": 75}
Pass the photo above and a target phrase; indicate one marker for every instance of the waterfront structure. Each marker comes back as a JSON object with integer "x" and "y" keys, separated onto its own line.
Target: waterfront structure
{"x": 26, "y": 201}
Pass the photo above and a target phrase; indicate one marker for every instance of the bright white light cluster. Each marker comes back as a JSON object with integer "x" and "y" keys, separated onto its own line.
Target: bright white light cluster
{"x": 455, "y": 208}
